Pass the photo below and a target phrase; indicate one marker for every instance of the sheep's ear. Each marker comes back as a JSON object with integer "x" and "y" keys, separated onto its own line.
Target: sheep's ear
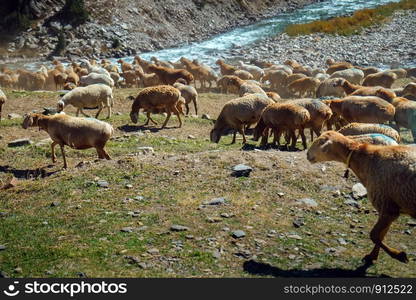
{"x": 325, "y": 146}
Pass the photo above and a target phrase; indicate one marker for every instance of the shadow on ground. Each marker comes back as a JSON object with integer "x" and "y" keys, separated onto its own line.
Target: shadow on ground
{"x": 255, "y": 268}
{"x": 28, "y": 173}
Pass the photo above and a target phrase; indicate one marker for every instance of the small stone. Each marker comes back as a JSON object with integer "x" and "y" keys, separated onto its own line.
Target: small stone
{"x": 215, "y": 201}
{"x": 142, "y": 265}
{"x": 341, "y": 241}
{"x": 411, "y": 224}
{"x": 13, "y": 116}
{"x": 153, "y": 251}
{"x": 55, "y": 203}
{"x": 12, "y": 183}
{"x": 308, "y": 202}
{"x": 18, "y": 270}
{"x": 2, "y": 247}
{"x": 225, "y": 229}
{"x": 189, "y": 237}
{"x": 129, "y": 186}
{"x": 238, "y": 234}
{"x": 178, "y": 228}
{"x": 20, "y": 142}
{"x": 191, "y": 137}
{"x": 352, "y": 203}
{"x": 127, "y": 229}
{"x": 216, "y": 254}
{"x": 294, "y": 236}
{"x": 138, "y": 198}
{"x": 103, "y": 183}
{"x": 292, "y": 256}
{"x": 225, "y": 215}
{"x": 408, "y": 232}
{"x": 359, "y": 191}
{"x": 214, "y": 220}
{"x": 298, "y": 223}
{"x": 241, "y": 170}
{"x": 280, "y": 194}
{"x": 205, "y": 117}
{"x": 146, "y": 150}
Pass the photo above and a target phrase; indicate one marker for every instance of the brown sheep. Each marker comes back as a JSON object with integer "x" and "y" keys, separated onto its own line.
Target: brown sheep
{"x": 384, "y": 79}
{"x": 304, "y": 87}
{"x": 282, "y": 117}
{"x": 189, "y": 94}
{"x": 367, "y": 128}
{"x": 243, "y": 74}
{"x": 277, "y": 78}
{"x": 226, "y": 69}
{"x": 156, "y": 97}
{"x": 363, "y": 109}
{"x": 245, "y": 87}
{"x": 170, "y": 76}
{"x": 358, "y": 90}
{"x": 388, "y": 173}
{"x": 224, "y": 84}
{"x": 199, "y": 72}
{"x": 405, "y": 115}
{"x": 274, "y": 96}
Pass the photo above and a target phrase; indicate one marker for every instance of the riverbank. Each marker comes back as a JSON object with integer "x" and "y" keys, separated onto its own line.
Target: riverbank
{"x": 389, "y": 45}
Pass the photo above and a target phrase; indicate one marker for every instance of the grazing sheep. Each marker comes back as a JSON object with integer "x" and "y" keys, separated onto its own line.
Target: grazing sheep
{"x": 257, "y": 72}
{"x": 144, "y": 64}
{"x": 369, "y": 70}
{"x": 388, "y": 173}
{"x": 170, "y": 76}
{"x": 363, "y": 109}
{"x": 274, "y": 96}
{"x": 88, "y": 97}
{"x": 156, "y": 97}
{"x": 338, "y": 66}
{"x": 304, "y": 87}
{"x": 384, "y": 79}
{"x": 148, "y": 80}
{"x": 161, "y": 63}
{"x": 224, "y": 84}
{"x": 200, "y": 73}
{"x": 409, "y": 91}
{"x": 405, "y": 115}
{"x": 237, "y": 113}
{"x": 368, "y": 128}
{"x": 131, "y": 78}
{"x": 373, "y": 139}
{"x": 94, "y": 69}
{"x": 3, "y": 100}
{"x": 226, "y": 69}
{"x": 245, "y": 87}
{"x": 319, "y": 113}
{"x": 284, "y": 68}
{"x": 189, "y": 94}
{"x": 294, "y": 77}
{"x": 282, "y": 117}
{"x": 77, "y": 133}
{"x": 353, "y": 75}
{"x": 277, "y": 78}
{"x": 95, "y": 78}
{"x": 358, "y": 90}
{"x": 330, "y": 87}
{"x": 243, "y": 74}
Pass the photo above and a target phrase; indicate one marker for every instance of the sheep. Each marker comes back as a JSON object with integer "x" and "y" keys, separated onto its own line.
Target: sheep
{"x": 131, "y": 78}
{"x": 330, "y": 87}
{"x": 400, "y": 73}
{"x": 156, "y": 97}
{"x": 125, "y": 66}
{"x": 319, "y": 113}
{"x": 116, "y": 78}
{"x": 284, "y": 68}
{"x": 257, "y": 72}
{"x": 388, "y": 173}
{"x": 358, "y": 90}
{"x": 161, "y": 63}
{"x": 144, "y": 64}
{"x": 201, "y": 73}
{"x": 411, "y": 72}
{"x": 384, "y": 79}
{"x": 321, "y": 76}
{"x": 373, "y": 139}
{"x": 337, "y": 66}
{"x": 6, "y": 81}
{"x": 224, "y": 84}
{"x": 237, "y": 113}
{"x": 369, "y": 70}
{"x": 189, "y": 94}
{"x": 368, "y": 128}
{"x": 242, "y": 74}
{"x": 88, "y": 97}
{"x": 170, "y": 76}
{"x": 277, "y": 78}
{"x": 409, "y": 90}
{"x": 77, "y": 133}
{"x": 294, "y": 77}
{"x": 405, "y": 115}
{"x": 304, "y": 86}
{"x": 72, "y": 76}
{"x": 245, "y": 87}
{"x": 94, "y": 69}
{"x": 274, "y": 96}
{"x": 59, "y": 78}
{"x": 95, "y": 78}
{"x": 282, "y": 117}
{"x": 363, "y": 109}
{"x": 353, "y": 75}
{"x": 69, "y": 86}
{"x": 226, "y": 69}
{"x": 3, "y": 100}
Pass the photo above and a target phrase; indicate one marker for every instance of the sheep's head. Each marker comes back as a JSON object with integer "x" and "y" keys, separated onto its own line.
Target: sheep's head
{"x": 215, "y": 135}
{"x": 30, "y": 120}
{"x": 330, "y": 61}
{"x": 60, "y": 106}
{"x": 338, "y": 82}
{"x": 323, "y": 148}
{"x": 134, "y": 116}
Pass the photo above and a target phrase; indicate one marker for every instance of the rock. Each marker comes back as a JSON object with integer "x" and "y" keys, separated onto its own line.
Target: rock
{"x": 341, "y": 241}
{"x": 129, "y": 186}
{"x": 411, "y": 223}
{"x": 54, "y": 204}
{"x": 103, "y": 183}
{"x": 280, "y": 194}
{"x": 12, "y": 183}
{"x": 153, "y": 251}
{"x": 308, "y": 202}
{"x": 20, "y": 142}
{"x": 352, "y": 203}
{"x": 178, "y": 228}
{"x": 241, "y": 170}
{"x": 139, "y": 198}
{"x": 294, "y": 236}
{"x": 408, "y": 232}
{"x": 237, "y": 234}
{"x": 298, "y": 223}
{"x": 216, "y": 254}
{"x": 2, "y": 247}
{"x": 146, "y": 150}
{"x": 127, "y": 229}
{"x": 13, "y": 116}
{"x": 205, "y": 117}
{"x": 215, "y": 201}
{"x": 358, "y": 191}
{"x": 191, "y": 137}
{"x": 226, "y": 215}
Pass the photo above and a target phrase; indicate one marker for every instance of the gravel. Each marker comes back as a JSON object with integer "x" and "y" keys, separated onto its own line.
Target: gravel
{"x": 386, "y": 45}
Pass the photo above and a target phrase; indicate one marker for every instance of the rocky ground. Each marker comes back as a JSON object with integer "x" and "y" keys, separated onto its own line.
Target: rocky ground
{"x": 119, "y": 28}
{"x": 391, "y": 45}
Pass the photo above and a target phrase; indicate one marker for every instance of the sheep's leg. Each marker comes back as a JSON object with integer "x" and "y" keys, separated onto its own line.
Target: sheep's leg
{"x": 102, "y": 153}
{"x": 302, "y": 134}
{"x": 167, "y": 118}
{"x": 276, "y": 137}
{"x": 241, "y": 131}
{"x": 264, "y": 137}
{"x": 53, "y": 151}
{"x": 195, "y": 105}
{"x": 294, "y": 139}
{"x": 377, "y": 235}
{"x": 77, "y": 113}
{"x": 176, "y": 112}
{"x": 187, "y": 108}
{"x": 100, "y": 108}
{"x": 63, "y": 155}
{"x": 234, "y": 137}
{"x": 81, "y": 110}
{"x": 109, "y": 111}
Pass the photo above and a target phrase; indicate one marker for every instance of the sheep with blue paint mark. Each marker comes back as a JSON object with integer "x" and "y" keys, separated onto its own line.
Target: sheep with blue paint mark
{"x": 370, "y": 128}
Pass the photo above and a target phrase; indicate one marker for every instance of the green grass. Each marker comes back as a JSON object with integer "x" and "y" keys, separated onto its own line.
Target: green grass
{"x": 348, "y": 25}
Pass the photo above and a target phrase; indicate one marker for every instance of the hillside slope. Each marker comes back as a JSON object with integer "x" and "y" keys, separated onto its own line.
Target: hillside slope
{"x": 122, "y": 27}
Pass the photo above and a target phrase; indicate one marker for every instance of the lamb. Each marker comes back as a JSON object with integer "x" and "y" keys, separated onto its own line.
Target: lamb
{"x": 77, "y": 133}
{"x": 170, "y": 76}
{"x": 189, "y": 94}
{"x": 245, "y": 87}
{"x": 88, "y": 97}
{"x": 363, "y": 109}
{"x": 282, "y": 117}
{"x": 353, "y": 75}
{"x": 226, "y": 69}
{"x": 368, "y": 128}
{"x": 319, "y": 113}
{"x": 156, "y": 97}
{"x": 330, "y": 87}
{"x": 3, "y": 100}
{"x": 388, "y": 173}
{"x": 405, "y": 115}
{"x": 237, "y": 113}
{"x": 257, "y": 72}
{"x": 373, "y": 139}
{"x": 384, "y": 79}
{"x": 95, "y": 78}
{"x": 304, "y": 86}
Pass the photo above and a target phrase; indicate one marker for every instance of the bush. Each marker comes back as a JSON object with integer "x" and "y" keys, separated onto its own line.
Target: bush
{"x": 74, "y": 12}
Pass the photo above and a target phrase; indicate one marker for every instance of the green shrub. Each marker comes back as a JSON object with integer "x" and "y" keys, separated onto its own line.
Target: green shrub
{"x": 74, "y": 12}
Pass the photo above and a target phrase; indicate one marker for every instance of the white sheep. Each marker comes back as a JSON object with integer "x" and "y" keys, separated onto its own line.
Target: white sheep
{"x": 354, "y": 76}
{"x": 257, "y": 72}
{"x": 88, "y": 97}
{"x": 95, "y": 78}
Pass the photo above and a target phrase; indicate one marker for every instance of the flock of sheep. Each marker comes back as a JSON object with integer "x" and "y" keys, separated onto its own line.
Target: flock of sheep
{"x": 358, "y": 101}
